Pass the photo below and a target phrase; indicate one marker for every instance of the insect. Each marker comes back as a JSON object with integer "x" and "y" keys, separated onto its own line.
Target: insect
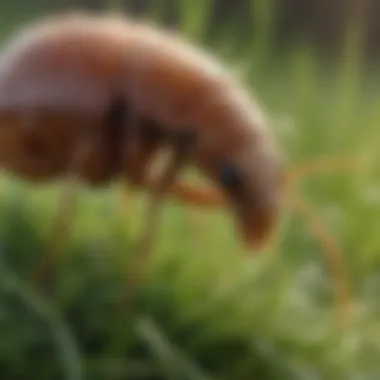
{"x": 98, "y": 97}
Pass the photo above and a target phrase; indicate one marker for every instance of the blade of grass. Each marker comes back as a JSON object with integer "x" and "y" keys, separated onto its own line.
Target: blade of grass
{"x": 69, "y": 355}
{"x": 174, "y": 363}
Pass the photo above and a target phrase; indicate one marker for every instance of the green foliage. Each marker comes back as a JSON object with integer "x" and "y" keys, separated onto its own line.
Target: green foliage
{"x": 206, "y": 311}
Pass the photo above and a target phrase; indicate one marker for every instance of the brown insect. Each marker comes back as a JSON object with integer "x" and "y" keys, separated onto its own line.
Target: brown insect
{"x": 98, "y": 97}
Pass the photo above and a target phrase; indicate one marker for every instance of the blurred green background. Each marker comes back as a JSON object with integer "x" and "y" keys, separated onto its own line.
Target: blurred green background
{"x": 304, "y": 310}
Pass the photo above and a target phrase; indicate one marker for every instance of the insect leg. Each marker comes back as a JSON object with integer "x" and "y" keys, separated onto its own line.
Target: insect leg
{"x": 65, "y": 214}
{"x": 59, "y": 231}
{"x": 141, "y": 147}
{"x": 181, "y": 152}
{"x": 196, "y": 195}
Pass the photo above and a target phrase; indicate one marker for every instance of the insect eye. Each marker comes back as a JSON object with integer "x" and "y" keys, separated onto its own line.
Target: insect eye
{"x": 230, "y": 178}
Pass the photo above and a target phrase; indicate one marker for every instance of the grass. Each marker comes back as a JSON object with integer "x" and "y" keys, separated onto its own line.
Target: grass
{"x": 206, "y": 310}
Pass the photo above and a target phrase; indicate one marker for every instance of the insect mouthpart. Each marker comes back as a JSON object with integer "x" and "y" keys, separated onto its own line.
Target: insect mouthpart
{"x": 233, "y": 183}
{"x": 254, "y": 203}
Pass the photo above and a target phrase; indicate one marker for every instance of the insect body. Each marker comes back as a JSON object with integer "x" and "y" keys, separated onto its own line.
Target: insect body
{"x": 120, "y": 90}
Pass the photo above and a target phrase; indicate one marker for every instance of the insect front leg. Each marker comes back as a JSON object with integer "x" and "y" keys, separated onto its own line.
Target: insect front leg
{"x": 194, "y": 195}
